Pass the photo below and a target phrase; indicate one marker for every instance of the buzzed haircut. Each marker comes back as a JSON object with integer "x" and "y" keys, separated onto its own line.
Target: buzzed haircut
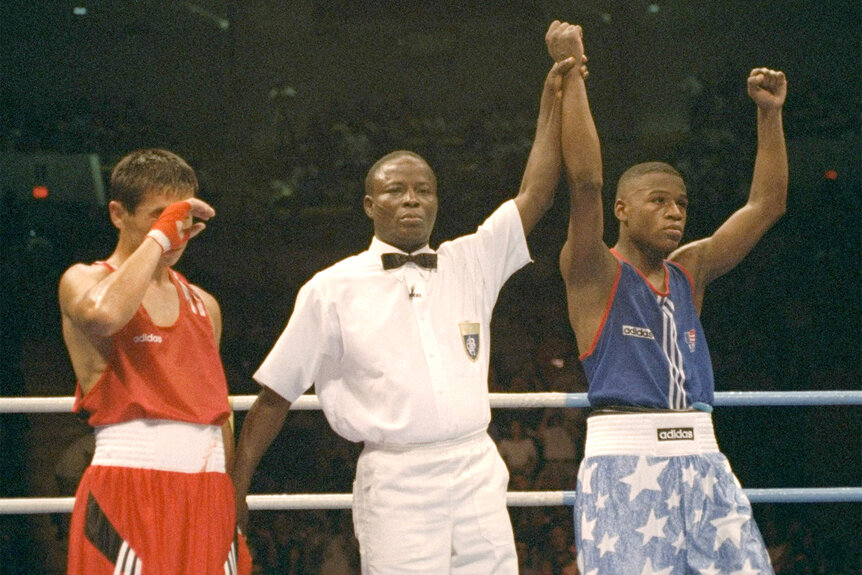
{"x": 372, "y": 173}
{"x": 151, "y": 170}
{"x": 643, "y": 169}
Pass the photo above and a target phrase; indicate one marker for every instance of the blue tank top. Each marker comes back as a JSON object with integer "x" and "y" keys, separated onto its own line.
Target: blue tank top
{"x": 650, "y": 350}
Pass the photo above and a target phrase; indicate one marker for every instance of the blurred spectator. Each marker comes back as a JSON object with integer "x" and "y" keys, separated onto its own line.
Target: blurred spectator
{"x": 556, "y": 356}
{"x": 529, "y": 523}
{"x": 525, "y": 565}
{"x": 559, "y": 451}
{"x": 558, "y": 550}
{"x": 518, "y": 450}
{"x": 341, "y": 554}
{"x": 68, "y": 471}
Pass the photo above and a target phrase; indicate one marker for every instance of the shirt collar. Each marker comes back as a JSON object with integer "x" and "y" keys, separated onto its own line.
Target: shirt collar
{"x": 379, "y": 247}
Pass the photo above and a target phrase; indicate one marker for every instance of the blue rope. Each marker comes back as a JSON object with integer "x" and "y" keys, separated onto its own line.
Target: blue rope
{"x": 764, "y": 398}
{"x": 785, "y": 495}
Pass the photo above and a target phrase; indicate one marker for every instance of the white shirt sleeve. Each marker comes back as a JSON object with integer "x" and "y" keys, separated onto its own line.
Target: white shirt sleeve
{"x": 500, "y": 248}
{"x": 311, "y": 334}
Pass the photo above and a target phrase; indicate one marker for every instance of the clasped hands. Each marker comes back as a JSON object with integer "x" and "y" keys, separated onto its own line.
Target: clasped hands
{"x": 565, "y": 41}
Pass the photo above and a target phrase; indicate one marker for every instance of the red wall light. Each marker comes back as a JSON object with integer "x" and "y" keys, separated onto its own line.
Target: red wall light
{"x": 40, "y": 192}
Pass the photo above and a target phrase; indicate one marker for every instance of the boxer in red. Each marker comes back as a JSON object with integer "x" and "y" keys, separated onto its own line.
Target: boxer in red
{"x": 143, "y": 343}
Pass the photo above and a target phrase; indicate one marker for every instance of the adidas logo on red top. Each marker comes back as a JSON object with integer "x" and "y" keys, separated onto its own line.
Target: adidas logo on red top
{"x": 147, "y": 338}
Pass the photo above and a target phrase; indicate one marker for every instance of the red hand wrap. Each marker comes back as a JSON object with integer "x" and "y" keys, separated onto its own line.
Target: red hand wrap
{"x": 168, "y": 229}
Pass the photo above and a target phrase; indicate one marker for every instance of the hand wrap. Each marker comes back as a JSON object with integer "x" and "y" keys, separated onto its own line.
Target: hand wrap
{"x": 168, "y": 230}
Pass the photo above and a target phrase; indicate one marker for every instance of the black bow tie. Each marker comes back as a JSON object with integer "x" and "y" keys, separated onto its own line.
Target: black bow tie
{"x": 424, "y": 260}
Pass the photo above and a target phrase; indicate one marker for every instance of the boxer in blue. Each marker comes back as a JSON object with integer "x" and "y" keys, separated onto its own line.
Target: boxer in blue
{"x": 655, "y": 495}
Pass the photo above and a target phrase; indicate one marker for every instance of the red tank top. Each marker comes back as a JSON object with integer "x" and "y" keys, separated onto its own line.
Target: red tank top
{"x": 154, "y": 372}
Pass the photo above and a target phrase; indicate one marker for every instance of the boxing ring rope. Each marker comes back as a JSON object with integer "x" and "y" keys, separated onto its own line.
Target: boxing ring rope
{"x": 498, "y": 400}
{"x": 282, "y": 502}
{"x": 274, "y": 502}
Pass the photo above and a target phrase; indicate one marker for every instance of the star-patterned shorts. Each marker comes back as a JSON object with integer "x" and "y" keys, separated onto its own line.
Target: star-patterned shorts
{"x": 656, "y": 497}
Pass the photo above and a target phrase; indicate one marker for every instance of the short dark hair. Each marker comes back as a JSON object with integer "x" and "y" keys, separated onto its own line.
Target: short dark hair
{"x": 372, "y": 173}
{"x": 151, "y": 170}
{"x": 643, "y": 169}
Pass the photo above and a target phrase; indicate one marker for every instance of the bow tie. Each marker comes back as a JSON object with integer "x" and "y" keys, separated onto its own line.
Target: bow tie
{"x": 424, "y": 260}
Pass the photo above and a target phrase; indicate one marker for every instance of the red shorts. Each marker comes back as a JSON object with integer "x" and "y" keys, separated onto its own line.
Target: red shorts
{"x": 151, "y": 522}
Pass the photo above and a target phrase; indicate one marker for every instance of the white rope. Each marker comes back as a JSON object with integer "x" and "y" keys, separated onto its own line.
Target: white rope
{"x": 306, "y": 501}
{"x": 498, "y": 400}
{"x": 36, "y": 505}
{"x": 344, "y": 500}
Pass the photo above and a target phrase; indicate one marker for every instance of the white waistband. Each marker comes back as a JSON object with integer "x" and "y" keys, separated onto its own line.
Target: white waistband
{"x": 160, "y": 444}
{"x": 446, "y": 444}
{"x": 654, "y": 434}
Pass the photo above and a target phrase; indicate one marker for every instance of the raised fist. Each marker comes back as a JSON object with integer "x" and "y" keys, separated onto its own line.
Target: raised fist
{"x": 768, "y": 88}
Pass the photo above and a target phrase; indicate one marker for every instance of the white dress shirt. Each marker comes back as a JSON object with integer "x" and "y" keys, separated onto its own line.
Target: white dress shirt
{"x": 389, "y": 351}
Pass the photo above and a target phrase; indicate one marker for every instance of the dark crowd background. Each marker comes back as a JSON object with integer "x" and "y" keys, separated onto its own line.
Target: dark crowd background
{"x": 283, "y": 106}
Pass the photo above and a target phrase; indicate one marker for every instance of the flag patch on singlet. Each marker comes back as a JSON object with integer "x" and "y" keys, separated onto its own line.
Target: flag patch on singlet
{"x": 470, "y": 339}
{"x": 633, "y": 331}
{"x": 690, "y": 339}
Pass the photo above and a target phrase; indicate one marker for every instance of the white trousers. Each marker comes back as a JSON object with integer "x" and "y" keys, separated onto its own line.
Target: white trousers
{"x": 434, "y": 509}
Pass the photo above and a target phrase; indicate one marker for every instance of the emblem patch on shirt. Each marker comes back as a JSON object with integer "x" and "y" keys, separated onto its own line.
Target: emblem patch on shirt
{"x": 689, "y": 339}
{"x": 470, "y": 337}
{"x": 643, "y": 332}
